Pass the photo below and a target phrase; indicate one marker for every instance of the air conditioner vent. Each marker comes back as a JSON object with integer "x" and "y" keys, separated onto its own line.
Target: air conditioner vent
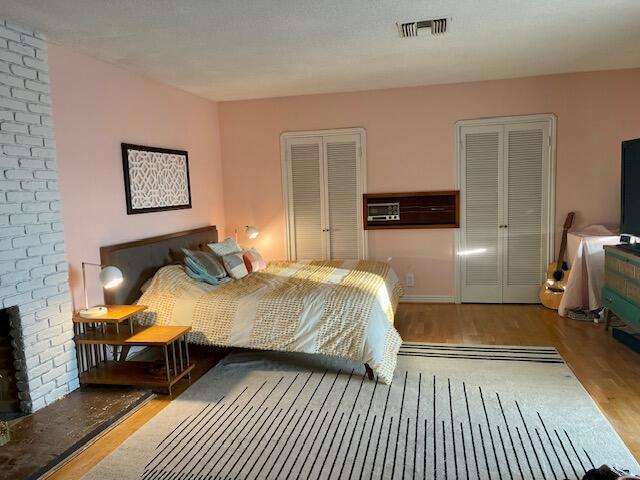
{"x": 436, "y": 26}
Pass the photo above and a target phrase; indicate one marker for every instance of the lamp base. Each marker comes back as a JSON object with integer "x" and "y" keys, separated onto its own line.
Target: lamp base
{"x": 93, "y": 312}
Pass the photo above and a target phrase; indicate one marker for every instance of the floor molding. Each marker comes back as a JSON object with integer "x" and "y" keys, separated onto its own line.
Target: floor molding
{"x": 426, "y": 299}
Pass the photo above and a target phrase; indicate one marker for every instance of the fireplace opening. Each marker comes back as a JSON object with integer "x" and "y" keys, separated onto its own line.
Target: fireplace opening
{"x": 9, "y": 399}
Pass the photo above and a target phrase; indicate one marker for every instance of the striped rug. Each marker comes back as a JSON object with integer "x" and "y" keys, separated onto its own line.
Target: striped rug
{"x": 451, "y": 412}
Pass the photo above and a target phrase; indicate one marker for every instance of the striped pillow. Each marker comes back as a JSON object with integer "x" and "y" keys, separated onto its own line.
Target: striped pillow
{"x": 253, "y": 260}
{"x": 234, "y": 264}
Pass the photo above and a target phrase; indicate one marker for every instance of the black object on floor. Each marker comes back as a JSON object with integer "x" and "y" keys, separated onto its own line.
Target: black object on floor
{"x": 606, "y": 472}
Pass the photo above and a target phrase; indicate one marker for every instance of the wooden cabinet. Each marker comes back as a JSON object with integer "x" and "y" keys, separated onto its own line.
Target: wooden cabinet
{"x": 437, "y": 209}
{"x": 621, "y": 294}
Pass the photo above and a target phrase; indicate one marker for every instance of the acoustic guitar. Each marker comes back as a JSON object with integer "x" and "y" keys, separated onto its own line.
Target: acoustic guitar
{"x": 553, "y": 288}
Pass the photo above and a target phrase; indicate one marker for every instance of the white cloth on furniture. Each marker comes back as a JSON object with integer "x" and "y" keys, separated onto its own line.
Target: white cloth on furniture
{"x": 585, "y": 255}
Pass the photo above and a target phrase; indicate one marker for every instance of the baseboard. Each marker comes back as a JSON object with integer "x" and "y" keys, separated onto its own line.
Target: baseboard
{"x": 426, "y": 299}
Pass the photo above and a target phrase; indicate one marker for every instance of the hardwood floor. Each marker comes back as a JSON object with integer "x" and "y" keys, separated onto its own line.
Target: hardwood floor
{"x": 608, "y": 370}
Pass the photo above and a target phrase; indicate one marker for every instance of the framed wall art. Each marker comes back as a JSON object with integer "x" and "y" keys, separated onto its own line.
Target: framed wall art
{"x": 155, "y": 179}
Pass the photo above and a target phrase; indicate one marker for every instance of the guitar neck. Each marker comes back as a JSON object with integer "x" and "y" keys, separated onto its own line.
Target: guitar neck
{"x": 563, "y": 248}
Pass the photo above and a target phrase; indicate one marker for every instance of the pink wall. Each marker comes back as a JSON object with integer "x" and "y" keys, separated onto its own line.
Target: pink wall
{"x": 97, "y": 106}
{"x": 410, "y": 135}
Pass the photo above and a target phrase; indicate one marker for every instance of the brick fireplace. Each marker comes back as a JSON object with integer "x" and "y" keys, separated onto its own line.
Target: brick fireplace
{"x": 33, "y": 267}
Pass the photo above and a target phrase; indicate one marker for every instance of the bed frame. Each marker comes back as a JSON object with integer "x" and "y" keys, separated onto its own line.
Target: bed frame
{"x": 140, "y": 260}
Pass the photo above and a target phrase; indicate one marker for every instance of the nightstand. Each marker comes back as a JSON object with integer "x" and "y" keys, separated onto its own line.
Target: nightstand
{"x": 99, "y": 338}
{"x": 116, "y": 314}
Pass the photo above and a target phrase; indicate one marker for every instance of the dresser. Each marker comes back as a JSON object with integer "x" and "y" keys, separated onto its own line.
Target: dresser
{"x": 621, "y": 293}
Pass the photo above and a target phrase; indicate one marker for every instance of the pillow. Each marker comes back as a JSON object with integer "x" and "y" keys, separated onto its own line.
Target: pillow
{"x": 253, "y": 260}
{"x": 201, "y": 277}
{"x": 235, "y": 265}
{"x": 203, "y": 263}
{"x": 177, "y": 256}
{"x": 225, "y": 248}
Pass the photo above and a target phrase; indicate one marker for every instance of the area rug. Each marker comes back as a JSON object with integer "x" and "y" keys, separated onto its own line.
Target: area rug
{"x": 451, "y": 412}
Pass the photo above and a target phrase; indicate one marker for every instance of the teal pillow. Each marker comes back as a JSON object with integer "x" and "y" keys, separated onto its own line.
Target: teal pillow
{"x": 203, "y": 263}
{"x": 201, "y": 277}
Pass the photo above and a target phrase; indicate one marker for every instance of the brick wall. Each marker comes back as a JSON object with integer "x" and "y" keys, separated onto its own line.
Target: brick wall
{"x": 33, "y": 266}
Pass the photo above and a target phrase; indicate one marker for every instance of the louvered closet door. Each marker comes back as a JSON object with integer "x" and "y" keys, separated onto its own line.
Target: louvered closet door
{"x": 526, "y": 213}
{"x": 306, "y": 198}
{"x": 344, "y": 196}
{"x": 481, "y": 187}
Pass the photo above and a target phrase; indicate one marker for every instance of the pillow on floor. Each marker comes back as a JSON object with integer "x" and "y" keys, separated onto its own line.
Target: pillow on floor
{"x": 253, "y": 260}
{"x": 234, "y": 264}
{"x": 226, "y": 247}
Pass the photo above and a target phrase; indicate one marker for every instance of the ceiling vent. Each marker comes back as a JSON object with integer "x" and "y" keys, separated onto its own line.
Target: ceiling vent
{"x": 435, "y": 26}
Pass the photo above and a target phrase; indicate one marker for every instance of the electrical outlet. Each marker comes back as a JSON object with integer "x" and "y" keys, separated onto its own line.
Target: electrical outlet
{"x": 410, "y": 280}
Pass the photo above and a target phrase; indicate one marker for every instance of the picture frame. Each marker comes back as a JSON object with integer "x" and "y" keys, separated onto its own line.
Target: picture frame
{"x": 155, "y": 179}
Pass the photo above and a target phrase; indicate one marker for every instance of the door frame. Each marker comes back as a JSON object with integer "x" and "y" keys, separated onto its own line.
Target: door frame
{"x": 551, "y": 119}
{"x": 362, "y": 179}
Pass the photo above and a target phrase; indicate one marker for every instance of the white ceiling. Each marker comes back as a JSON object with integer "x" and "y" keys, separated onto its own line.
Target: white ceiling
{"x": 236, "y": 49}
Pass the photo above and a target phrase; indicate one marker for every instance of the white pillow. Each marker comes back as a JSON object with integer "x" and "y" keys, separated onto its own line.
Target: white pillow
{"x": 234, "y": 264}
{"x": 226, "y": 247}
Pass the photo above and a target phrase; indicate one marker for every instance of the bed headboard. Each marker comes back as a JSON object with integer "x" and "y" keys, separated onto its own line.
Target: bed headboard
{"x": 139, "y": 260}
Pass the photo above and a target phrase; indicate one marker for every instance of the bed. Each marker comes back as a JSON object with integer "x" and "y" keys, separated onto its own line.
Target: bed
{"x": 338, "y": 308}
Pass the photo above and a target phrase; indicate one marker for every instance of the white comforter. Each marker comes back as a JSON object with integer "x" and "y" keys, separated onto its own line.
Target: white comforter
{"x": 338, "y": 308}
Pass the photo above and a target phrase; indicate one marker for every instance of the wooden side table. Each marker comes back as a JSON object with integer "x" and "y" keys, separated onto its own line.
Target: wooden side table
{"x": 116, "y": 314}
{"x": 92, "y": 336}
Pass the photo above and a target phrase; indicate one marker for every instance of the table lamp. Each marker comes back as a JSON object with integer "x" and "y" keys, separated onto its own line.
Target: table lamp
{"x": 110, "y": 277}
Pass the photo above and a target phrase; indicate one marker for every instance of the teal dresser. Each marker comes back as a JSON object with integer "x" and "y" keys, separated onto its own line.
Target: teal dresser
{"x": 621, "y": 294}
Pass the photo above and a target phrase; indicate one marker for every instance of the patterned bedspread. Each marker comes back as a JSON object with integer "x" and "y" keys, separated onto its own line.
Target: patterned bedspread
{"x": 338, "y": 308}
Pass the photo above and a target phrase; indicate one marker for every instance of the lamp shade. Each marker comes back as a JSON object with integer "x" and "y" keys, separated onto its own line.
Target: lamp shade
{"x": 110, "y": 277}
{"x": 252, "y": 232}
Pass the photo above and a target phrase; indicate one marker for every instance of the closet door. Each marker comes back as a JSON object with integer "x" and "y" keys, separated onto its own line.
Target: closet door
{"x": 324, "y": 178}
{"x": 505, "y": 182}
{"x": 481, "y": 178}
{"x": 344, "y": 196}
{"x": 526, "y": 210}
{"x": 306, "y": 198}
